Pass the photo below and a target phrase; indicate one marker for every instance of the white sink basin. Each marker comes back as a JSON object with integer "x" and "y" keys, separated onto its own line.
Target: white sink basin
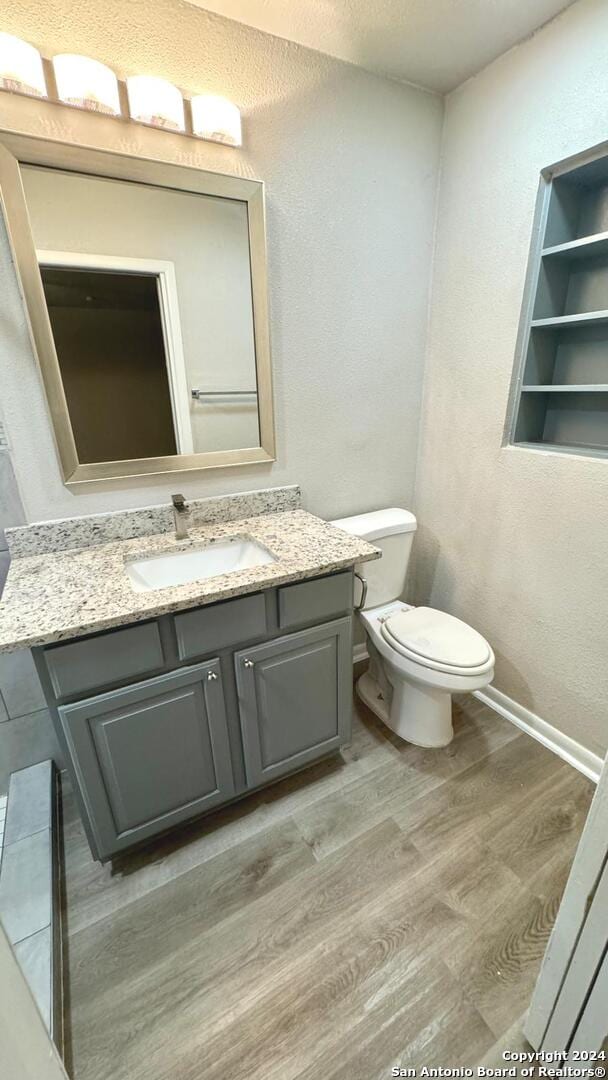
{"x": 179, "y": 567}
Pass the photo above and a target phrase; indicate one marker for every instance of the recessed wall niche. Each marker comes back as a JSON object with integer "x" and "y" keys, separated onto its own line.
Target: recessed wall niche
{"x": 561, "y": 389}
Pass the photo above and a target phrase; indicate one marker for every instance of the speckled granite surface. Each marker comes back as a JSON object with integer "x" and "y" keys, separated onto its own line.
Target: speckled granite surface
{"x": 60, "y": 595}
{"x": 84, "y": 532}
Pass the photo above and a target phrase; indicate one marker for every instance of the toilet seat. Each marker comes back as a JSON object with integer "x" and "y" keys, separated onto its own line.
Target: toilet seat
{"x": 433, "y": 639}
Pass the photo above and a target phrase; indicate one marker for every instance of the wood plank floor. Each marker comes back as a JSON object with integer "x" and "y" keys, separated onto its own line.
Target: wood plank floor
{"x": 390, "y": 906}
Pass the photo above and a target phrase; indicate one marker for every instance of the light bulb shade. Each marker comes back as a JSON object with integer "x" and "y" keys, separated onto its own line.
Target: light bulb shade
{"x": 21, "y": 67}
{"x": 216, "y": 118}
{"x": 86, "y": 83}
{"x": 155, "y": 101}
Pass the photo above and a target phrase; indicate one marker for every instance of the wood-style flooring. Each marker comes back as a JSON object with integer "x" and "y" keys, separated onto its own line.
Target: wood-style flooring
{"x": 388, "y": 907}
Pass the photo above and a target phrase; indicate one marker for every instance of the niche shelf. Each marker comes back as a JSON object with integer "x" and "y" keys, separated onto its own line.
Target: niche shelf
{"x": 585, "y": 248}
{"x": 565, "y": 389}
{"x": 585, "y": 318}
{"x": 561, "y": 390}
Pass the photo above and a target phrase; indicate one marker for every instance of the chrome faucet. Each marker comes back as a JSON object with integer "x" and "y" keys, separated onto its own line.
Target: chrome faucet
{"x": 181, "y": 513}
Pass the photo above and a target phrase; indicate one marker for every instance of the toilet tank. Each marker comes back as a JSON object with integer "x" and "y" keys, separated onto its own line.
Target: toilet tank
{"x": 393, "y": 531}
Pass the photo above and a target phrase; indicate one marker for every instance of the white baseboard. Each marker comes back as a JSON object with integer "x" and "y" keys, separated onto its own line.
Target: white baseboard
{"x": 568, "y": 749}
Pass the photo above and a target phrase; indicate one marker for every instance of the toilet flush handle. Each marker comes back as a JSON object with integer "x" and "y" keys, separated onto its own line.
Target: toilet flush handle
{"x": 363, "y": 596}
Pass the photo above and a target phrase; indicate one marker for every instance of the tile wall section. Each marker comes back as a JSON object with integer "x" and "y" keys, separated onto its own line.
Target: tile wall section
{"x": 26, "y": 731}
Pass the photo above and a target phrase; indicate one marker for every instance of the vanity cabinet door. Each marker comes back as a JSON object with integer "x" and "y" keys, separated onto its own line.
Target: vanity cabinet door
{"x": 295, "y": 699}
{"x": 149, "y": 756}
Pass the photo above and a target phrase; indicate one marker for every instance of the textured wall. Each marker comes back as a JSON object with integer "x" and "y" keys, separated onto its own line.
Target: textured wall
{"x": 350, "y": 163}
{"x": 515, "y": 541}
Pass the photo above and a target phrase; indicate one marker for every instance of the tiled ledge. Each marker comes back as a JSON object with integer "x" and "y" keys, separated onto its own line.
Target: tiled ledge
{"x": 29, "y": 884}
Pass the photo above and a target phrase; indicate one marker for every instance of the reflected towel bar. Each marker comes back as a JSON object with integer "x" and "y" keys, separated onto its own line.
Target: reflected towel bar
{"x": 201, "y": 395}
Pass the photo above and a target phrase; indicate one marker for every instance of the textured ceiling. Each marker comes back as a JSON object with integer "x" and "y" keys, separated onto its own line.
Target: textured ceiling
{"x": 434, "y": 43}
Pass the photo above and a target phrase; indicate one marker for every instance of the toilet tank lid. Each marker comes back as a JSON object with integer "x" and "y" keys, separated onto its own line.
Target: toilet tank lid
{"x": 378, "y": 523}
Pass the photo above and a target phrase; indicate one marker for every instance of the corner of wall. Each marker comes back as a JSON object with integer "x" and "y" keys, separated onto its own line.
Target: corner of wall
{"x": 414, "y": 584}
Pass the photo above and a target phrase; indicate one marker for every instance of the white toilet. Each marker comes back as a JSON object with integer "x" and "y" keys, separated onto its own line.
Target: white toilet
{"x": 419, "y": 657}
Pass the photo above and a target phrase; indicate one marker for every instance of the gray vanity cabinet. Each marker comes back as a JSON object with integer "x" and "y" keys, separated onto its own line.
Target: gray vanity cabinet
{"x": 295, "y": 698}
{"x": 168, "y": 718}
{"x": 151, "y": 755}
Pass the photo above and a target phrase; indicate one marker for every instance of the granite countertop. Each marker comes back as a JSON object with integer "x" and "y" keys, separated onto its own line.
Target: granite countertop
{"x": 54, "y": 596}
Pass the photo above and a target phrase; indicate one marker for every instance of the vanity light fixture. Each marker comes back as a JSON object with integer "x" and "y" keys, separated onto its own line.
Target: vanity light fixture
{"x": 89, "y": 84}
{"x": 155, "y": 101}
{"x": 86, "y": 83}
{"x": 217, "y": 119}
{"x": 21, "y": 67}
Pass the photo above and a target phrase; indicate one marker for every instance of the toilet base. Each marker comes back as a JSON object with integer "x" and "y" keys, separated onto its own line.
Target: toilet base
{"x": 371, "y": 694}
{"x": 419, "y": 714}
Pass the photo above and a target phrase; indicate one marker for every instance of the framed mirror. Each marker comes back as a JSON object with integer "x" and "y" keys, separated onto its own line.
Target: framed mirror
{"x": 146, "y": 290}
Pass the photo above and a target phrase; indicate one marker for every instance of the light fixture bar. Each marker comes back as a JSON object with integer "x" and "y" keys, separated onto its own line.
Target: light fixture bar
{"x": 88, "y": 84}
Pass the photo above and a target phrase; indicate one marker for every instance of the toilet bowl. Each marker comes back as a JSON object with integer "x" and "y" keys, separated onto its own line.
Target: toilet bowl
{"x": 412, "y": 676}
{"x": 419, "y": 656}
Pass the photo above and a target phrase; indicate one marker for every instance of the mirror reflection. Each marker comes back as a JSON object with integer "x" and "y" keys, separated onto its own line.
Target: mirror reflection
{"x": 148, "y": 291}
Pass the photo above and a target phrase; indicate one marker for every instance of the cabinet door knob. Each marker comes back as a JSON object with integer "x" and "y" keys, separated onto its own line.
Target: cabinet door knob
{"x": 248, "y": 663}
{"x": 211, "y": 675}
